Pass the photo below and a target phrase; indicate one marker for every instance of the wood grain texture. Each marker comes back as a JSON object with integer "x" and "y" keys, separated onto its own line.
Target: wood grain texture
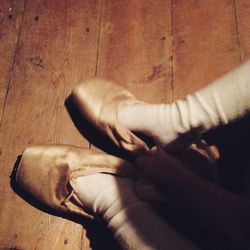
{"x": 135, "y": 47}
{"x": 159, "y": 50}
{"x": 57, "y": 49}
{"x": 11, "y": 15}
{"x": 243, "y": 20}
{"x": 205, "y": 43}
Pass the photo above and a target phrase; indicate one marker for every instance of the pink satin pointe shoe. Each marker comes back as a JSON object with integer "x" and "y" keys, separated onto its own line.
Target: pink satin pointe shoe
{"x": 99, "y": 101}
{"x": 48, "y": 173}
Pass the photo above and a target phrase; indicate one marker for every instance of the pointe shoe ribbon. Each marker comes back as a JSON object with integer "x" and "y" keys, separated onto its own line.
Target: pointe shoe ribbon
{"x": 48, "y": 173}
{"x": 99, "y": 101}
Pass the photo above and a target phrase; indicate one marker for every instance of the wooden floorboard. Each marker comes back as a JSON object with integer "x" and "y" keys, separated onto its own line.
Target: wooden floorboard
{"x": 159, "y": 50}
{"x": 11, "y": 16}
{"x": 242, "y": 8}
{"x": 205, "y": 43}
{"x": 57, "y": 49}
{"x": 135, "y": 47}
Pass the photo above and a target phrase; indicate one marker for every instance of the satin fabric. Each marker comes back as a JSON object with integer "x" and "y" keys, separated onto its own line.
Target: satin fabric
{"x": 48, "y": 172}
{"x": 99, "y": 101}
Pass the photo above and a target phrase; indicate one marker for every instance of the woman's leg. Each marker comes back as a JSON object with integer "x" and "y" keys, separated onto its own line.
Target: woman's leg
{"x": 134, "y": 223}
{"x": 220, "y": 103}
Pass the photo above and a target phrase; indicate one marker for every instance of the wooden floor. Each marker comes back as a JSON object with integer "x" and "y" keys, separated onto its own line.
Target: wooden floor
{"x": 160, "y": 50}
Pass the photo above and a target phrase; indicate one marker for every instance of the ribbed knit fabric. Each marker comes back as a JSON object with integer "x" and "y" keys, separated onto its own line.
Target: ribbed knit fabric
{"x": 134, "y": 223}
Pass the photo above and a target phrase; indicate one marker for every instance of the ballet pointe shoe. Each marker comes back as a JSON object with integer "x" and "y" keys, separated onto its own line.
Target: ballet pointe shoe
{"x": 99, "y": 102}
{"x": 48, "y": 173}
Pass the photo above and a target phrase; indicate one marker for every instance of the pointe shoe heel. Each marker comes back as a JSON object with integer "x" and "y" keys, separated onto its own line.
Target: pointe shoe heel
{"x": 48, "y": 173}
{"x": 99, "y": 102}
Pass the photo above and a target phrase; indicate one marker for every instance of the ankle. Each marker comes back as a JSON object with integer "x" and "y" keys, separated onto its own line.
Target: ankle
{"x": 149, "y": 119}
{"x": 105, "y": 194}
